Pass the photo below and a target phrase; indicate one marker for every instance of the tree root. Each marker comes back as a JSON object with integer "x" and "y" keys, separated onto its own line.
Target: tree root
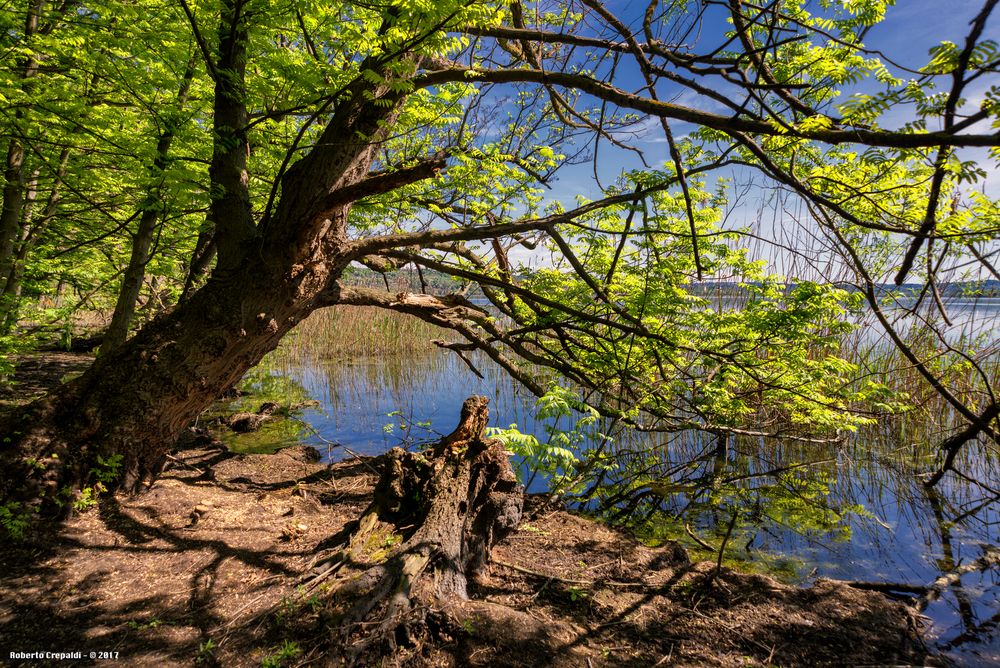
{"x": 399, "y": 582}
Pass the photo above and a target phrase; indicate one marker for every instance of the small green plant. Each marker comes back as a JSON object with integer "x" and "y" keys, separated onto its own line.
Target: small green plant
{"x": 287, "y": 651}
{"x": 35, "y": 464}
{"x": 577, "y": 594}
{"x": 151, "y": 623}
{"x": 412, "y": 431}
{"x": 10, "y": 346}
{"x": 313, "y": 603}
{"x": 66, "y": 336}
{"x": 14, "y": 519}
{"x": 286, "y": 609}
{"x": 530, "y": 528}
{"x": 206, "y": 652}
{"x": 108, "y": 468}
{"x": 104, "y": 473}
{"x": 88, "y": 497}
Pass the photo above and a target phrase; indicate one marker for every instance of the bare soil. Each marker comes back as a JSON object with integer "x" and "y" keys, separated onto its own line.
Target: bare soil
{"x": 37, "y": 374}
{"x": 210, "y": 565}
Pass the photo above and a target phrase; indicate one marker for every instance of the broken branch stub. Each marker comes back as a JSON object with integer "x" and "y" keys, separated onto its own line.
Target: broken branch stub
{"x": 449, "y": 506}
{"x": 461, "y": 497}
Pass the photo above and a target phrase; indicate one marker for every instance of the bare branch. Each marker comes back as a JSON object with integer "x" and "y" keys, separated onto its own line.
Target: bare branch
{"x": 727, "y": 124}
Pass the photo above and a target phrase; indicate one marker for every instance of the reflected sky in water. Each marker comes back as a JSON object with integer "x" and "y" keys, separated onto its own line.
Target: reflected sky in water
{"x": 911, "y": 536}
{"x": 356, "y": 398}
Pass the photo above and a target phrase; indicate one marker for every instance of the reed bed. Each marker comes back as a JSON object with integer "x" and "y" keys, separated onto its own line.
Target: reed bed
{"x": 360, "y": 331}
{"x": 965, "y": 358}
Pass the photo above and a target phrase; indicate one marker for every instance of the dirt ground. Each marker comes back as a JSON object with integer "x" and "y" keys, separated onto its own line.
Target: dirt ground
{"x": 208, "y": 567}
{"x": 36, "y": 374}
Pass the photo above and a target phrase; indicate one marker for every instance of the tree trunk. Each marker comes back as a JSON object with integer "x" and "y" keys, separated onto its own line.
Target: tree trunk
{"x": 116, "y": 423}
{"x": 13, "y": 189}
{"x": 129, "y": 407}
{"x": 11, "y": 281}
{"x": 31, "y": 231}
{"x": 13, "y": 202}
{"x": 128, "y": 294}
{"x": 448, "y": 507}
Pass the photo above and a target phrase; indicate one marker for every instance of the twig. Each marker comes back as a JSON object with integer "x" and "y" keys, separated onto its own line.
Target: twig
{"x": 528, "y": 571}
{"x": 697, "y": 539}
{"x": 579, "y": 583}
{"x": 185, "y": 464}
{"x": 666, "y": 657}
{"x": 722, "y": 550}
{"x": 361, "y": 458}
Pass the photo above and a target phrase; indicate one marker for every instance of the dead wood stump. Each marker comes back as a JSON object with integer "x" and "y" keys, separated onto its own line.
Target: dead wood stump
{"x": 400, "y": 580}
{"x": 243, "y": 423}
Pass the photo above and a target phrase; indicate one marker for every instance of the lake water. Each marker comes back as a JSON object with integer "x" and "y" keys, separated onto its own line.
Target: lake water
{"x": 904, "y": 535}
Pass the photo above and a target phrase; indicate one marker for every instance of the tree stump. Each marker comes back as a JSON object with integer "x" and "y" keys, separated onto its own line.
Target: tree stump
{"x": 406, "y": 566}
{"x": 244, "y": 423}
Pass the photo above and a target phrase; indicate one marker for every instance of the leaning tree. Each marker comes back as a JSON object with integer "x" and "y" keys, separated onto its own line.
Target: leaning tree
{"x": 427, "y": 134}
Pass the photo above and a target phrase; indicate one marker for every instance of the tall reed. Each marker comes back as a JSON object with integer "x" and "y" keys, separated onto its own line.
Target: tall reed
{"x": 360, "y": 331}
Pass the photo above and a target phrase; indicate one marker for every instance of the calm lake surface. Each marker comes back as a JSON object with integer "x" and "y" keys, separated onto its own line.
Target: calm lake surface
{"x": 905, "y": 534}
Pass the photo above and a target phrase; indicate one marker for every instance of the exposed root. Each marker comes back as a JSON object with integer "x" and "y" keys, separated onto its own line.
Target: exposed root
{"x": 402, "y": 576}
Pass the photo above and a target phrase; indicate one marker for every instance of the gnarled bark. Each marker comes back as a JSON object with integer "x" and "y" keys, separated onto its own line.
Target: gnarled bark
{"x": 448, "y": 507}
{"x": 117, "y": 421}
{"x": 129, "y": 407}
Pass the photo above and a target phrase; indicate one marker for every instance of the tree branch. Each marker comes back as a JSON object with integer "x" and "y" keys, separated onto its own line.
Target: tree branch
{"x": 727, "y": 124}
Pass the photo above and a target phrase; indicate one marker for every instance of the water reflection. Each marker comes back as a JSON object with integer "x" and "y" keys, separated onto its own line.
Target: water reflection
{"x": 906, "y": 533}
{"x": 358, "y": 400}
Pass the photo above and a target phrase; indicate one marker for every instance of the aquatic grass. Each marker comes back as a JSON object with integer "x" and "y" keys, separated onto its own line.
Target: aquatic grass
{"x": 873, "y": 520}
{"x": 361, "y": 331}
{"x": 962, "y": 353}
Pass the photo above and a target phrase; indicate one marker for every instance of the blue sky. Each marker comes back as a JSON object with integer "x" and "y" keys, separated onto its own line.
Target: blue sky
{"x": 910, "y": 30}
{"x": 912, "y": 27}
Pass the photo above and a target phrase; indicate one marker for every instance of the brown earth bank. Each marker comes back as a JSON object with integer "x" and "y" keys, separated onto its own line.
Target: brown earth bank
{"x": 214, "y": 565}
